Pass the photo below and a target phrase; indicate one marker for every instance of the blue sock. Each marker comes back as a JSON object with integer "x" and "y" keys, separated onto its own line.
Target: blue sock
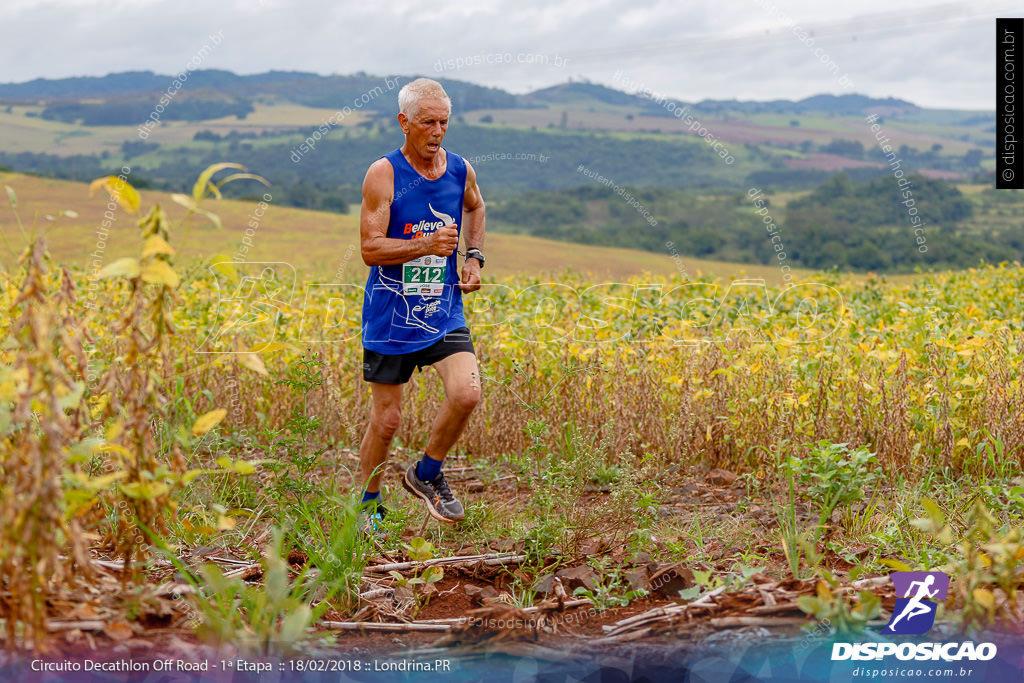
{"x": 428, "y": 468}
{"x": 375, "y": 496}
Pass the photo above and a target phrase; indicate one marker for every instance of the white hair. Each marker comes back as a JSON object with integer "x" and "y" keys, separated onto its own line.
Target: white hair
{"x": 411, "y": 93}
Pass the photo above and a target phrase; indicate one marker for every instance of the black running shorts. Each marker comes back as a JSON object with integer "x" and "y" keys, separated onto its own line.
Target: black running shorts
{"x": 397, "y": 369}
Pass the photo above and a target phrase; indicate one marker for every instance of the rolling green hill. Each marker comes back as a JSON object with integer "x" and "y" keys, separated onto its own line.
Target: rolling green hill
{"x": 320, "y": 246}
{"x": 314, "y": 136}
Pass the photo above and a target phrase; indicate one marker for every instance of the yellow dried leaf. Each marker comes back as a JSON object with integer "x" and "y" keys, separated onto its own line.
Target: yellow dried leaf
{"x": 253, "y": 362}
{"x": 238, "y": 466}
{"x": 160, "y": 273}
{"x": 223, "y": 264}
{"x": 157, "y": 245}
{"x": 270, "y": 347}
{"x": 117, "y": 449}
{"x": 145, "y": 490}
{"x": 208, "y": 421}
{"x": 104, "y": 482}
{"x": 985, "y": 598}
{"x": 122, "y": 267}
{"x": 192, "y": 474}
{"x": 184, "y": 200}
{"x": 203, "y": 183}
{"x": 898, "y": 565}
{"x": 7, "y": 390}
{"x": 101, "y": 403}
{"x": 114, "y": 430}
{"x": 119, "y": 190}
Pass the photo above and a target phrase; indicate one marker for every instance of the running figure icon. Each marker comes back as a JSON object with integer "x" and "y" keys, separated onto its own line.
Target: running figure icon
{"x": 914, "y": 606}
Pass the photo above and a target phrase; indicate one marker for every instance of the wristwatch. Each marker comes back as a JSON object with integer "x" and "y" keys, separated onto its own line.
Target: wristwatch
{"x": 477, "y": 254}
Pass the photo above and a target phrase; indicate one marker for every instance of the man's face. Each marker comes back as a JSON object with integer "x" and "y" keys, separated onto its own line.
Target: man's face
{"x": 425, "y": 131}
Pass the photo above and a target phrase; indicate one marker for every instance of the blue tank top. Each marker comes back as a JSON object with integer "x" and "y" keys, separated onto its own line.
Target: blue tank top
{"x": 410, "y": 306}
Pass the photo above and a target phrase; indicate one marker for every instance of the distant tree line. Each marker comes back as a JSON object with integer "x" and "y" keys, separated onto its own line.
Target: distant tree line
{"x": 340, "y": 158}
{"x": 841, "y": 224}
{"x": 135, "y": 110}
{"x": 908, "y": 156}
{"x": 853, "y": 220}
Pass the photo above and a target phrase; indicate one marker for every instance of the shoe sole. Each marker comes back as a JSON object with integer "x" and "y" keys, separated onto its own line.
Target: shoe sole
{"x": 430, "y": 507}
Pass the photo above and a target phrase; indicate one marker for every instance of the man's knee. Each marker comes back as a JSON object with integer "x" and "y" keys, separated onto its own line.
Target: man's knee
{"x": 386, "y": 422}
{"x": 465, "y": 399}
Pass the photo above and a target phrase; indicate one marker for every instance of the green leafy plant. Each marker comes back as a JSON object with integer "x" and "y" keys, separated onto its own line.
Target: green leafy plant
{"x": 520, "y": 594}
{"x": 419, "y": 550}
{"x": 547, "y": 533}
{"x": 269, "y": 620}
{"x": 302, "y": 376}
{"x": 989, "y": 457}
{"x": 797, "y": 543}
{"x": 859, "y": 521}
{"x": 706, "y": 581}
{"x": 609, "y": 587}
{"x": 537, "y": 430}
{"x": 326, "y": 530}
{"x": 833, "y": 476}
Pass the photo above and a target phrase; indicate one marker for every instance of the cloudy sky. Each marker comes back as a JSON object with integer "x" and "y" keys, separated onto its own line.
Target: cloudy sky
{"x": 936, "y": 54}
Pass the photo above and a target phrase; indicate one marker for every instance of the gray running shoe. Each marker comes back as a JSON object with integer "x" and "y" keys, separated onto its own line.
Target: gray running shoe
{"x": 371, "y": 522}
{"x": 441, "y": 504}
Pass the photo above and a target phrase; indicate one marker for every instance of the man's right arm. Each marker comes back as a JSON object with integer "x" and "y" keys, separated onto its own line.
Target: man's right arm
{"x": 377, "y": 248}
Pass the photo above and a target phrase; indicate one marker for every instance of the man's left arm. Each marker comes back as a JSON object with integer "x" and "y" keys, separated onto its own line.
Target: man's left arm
{"x": 473, "y": 210}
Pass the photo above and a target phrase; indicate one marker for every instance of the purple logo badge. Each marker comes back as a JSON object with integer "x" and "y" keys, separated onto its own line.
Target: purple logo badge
{"x": 917, "y": 598}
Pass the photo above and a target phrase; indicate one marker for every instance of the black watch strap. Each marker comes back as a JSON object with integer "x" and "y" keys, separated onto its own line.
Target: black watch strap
{"x": 477, "y": 254}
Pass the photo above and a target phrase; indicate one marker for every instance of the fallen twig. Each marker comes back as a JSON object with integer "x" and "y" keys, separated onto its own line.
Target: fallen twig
{"x": 490, "y": 559}
{"x": 174, "y": 588}
{"x": 777, "y": 608}
{"x": 657, "y": 614}
{"x": 514, "y": 559}
{"x": 727, "y": 622}
{"x": 225, "y": 560}
{"x": 525, "y": 610}
{"x": 244, "y": 572}
{"x": 873, "y": 582}
{"x": 375, "y": 626}
{"x": 87, "y": 625}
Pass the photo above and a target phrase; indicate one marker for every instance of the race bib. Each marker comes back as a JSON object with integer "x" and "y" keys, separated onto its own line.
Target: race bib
{"x": 424, "y": 276}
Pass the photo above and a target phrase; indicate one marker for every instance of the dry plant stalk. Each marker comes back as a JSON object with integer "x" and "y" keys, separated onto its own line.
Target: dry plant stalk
{"x": 135, "y": 388}
{"x": 46, "y": 420}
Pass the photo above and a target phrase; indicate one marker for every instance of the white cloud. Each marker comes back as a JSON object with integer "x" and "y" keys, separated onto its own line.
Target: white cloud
{"x": 935, "y": 55}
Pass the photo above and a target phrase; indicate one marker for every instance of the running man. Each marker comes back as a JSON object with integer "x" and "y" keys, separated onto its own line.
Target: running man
{"x": 914, "y": 606}
{"x": 413, "y": 201}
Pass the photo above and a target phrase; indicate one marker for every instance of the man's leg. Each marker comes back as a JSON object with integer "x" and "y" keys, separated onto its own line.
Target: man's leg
{"x": 424, "y": 479}
{"x": 385, "y": 416}
{"x": 461, "y": 378}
